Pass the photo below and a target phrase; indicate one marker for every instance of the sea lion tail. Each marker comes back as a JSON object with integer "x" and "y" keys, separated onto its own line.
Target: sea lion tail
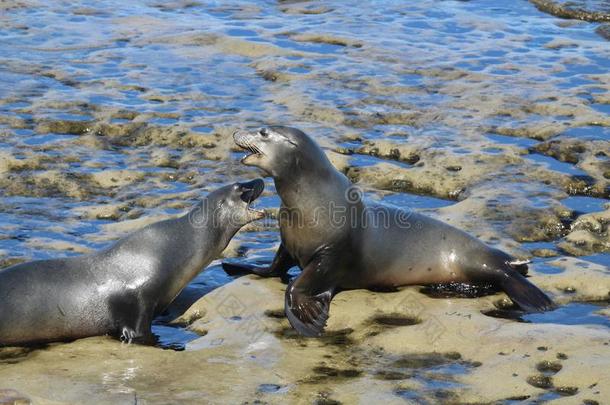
{"x": 525, "y": 294}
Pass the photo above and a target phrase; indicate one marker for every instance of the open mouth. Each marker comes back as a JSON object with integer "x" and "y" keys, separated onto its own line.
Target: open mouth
{"x": 252, "y": 149}
{"x": 250, "y": 192}
{"x": 242, "y": 140}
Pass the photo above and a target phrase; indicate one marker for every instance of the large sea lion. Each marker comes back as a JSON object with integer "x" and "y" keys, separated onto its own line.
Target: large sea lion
{"x": 119, "y": 290}
{"x": 340, "y": 242}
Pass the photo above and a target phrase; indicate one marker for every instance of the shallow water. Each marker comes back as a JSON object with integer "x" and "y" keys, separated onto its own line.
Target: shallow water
{"x": 584, "y": 205}
{"x": 556, "y": 165}
{"x": 116, "y": 111}
{"x": 571, "y": 314}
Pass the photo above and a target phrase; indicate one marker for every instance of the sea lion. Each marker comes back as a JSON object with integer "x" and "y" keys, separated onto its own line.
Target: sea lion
{"x": 119, "y": 290}
{"x": 340, "y": 242}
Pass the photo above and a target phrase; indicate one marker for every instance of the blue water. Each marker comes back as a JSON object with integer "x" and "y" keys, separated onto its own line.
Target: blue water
{"x": 365, "y": 160}
{"x": 584, "y": 205}
{"x": 416, "y": 202}
{"x": 525, "y": 143}
{"x": 571, "y": 314}
{"x": 592, "y": 132}
{"x": 599, "y": 258}
{"x": 174, "y": 338}
{"x": 554, "y": 164}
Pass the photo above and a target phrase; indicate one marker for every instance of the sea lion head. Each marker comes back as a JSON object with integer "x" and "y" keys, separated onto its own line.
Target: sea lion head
{"x": 233, "y": 203}
{"x": 278, "y": 149}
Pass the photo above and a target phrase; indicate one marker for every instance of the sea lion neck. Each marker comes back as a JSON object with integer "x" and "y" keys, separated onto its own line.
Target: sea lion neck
{"x": 308, "y": 166}
{"x": 293, "y": 187}
{"x": 205, "y": 220}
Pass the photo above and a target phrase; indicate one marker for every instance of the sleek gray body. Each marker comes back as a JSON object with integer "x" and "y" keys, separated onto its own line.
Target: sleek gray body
{"x": 120, "y": 290}
{"x": 340, "y": 242}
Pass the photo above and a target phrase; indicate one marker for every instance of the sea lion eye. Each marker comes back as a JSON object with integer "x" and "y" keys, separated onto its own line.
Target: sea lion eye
{"x": 264, "y": 133}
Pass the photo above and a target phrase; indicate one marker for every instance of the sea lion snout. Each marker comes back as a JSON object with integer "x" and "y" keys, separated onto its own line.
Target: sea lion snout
{"x": 251, "y": 190}
{"x": 276, "y": 149}
{"x": 246, "y": 193}
{"x": 248, "y": 141}
{"x": 239, "y": 137}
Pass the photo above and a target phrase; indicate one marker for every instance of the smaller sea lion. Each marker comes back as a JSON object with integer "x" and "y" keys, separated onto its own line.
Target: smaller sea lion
{"x": 119, "y": 290}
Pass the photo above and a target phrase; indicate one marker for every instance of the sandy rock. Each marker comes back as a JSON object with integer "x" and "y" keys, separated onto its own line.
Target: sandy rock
{"x": 590, "y": 233}
{"x": 407, "y": 152}
{"x": 577, "y": 280}
{"x": 369, "y": 347}
{"x": 12, "y": 397}
{"x": 48, "y": 183}
{"x": 340, "y": 161}
{"x": 326, "y": 39}
{"x": 6, "y": 162}
{"x": 57, "y": 245}
{"x": 116, "y": 178}
{"x": 105, "y": 211}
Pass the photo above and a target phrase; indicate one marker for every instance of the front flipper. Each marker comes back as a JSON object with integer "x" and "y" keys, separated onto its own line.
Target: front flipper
{"x": 282, "y": 262}
{"x": 132, "y": 315}
{"x": 129, "y": 336}
{"x": 308, "y": 297}
{"x": 141, "y": 334}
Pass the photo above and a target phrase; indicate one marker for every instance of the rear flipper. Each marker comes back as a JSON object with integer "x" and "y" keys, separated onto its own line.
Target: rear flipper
{"x": 282, "y": 262}
{"x": 523, "y": 293}
{"x": 233, "y": 269}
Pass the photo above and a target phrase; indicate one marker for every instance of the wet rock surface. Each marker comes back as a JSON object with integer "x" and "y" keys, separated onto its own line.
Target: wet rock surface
{"x": 588, "y": 10}
{"x": 357, "y": 359}
{"x": 492, "y": 117}
{"x": 589, "y": 233}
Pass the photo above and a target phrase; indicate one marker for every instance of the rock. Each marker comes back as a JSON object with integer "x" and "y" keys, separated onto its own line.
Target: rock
{"x": 544, "y": 253}
{"x": 590, "y": 233}
{"x": 250, "y": 343}
{"x": 576, "y": 280}
{"x": 12, "y": 397}
{"x": 116, "y": 178}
